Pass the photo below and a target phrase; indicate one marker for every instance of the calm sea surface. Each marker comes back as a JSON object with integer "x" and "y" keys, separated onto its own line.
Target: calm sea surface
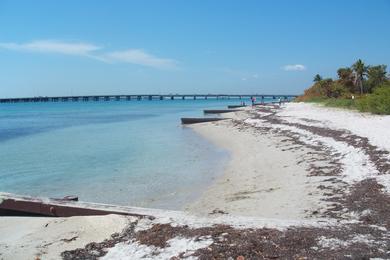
{"x": 122, "y": 152}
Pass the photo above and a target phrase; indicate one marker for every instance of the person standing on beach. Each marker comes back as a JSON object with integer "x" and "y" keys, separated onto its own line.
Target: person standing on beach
{"x": 253, "y": 99}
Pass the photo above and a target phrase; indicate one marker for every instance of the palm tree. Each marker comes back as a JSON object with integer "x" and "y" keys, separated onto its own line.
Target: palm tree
{"x": 317, "y": 78}
{"x": 360, "y": 70}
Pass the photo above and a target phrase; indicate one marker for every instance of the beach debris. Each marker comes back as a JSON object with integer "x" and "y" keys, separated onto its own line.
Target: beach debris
{"x": 165, "y": 241}
{"x": 217, "y": 211}
{"x": 68, "y": 240}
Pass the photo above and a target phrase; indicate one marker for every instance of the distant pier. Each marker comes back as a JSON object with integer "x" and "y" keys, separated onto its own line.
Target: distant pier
{"x": 139, "y": 97}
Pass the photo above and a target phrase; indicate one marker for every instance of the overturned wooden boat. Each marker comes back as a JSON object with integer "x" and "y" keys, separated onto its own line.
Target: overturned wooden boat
{"x": 236, "y": 106}
{"x": 219, "y": 111}
{"x": 18, "y": 205}
{"x": 195, "y": 120}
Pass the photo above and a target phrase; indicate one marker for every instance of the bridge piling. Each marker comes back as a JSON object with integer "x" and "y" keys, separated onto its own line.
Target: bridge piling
{"x": 138, "y": 97}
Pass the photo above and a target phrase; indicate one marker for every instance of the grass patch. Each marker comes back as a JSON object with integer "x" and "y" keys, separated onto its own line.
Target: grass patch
{"x": 334, "y": 102}
{"x": 342, "y": 103}
{"x": 377, "y": 103}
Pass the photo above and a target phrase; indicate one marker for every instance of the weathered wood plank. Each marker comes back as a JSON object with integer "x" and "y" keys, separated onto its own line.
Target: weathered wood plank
{"x": 236, "y": 106}
{"x": 11, "y": 204}
{"x": 186, "y": 121}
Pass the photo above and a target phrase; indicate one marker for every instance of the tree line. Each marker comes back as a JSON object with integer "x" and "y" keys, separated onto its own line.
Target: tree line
{"x": 369, "y": 85}
{"x": 357, "y": 79}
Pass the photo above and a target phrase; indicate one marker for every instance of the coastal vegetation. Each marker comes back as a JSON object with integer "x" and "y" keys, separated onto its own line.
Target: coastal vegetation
{"x": 362, "y": 87}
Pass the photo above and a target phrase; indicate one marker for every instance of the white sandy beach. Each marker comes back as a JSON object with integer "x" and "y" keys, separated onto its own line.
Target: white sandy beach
{"x": 260, "y": 180}
{"x": 264, "y": 178}
{"x": 267, "y": 180}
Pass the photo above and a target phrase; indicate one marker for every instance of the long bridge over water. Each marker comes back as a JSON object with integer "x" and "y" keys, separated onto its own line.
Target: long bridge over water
{"x": 139, "y": 97}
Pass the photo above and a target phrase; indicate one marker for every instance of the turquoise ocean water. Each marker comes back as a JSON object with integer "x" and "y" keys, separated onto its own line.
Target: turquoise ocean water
{"x": 121, "y": 152}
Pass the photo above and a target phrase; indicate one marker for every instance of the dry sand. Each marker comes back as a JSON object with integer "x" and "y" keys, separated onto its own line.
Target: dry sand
{"x": 260, "y": 180}
{"x": 46, "y": 238}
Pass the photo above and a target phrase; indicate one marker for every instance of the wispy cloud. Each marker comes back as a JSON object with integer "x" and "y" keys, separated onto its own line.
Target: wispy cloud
{"x": 134, "y": 56}
{"x": 50, "y": 46}
{"x": 141, "y": 57}
{"x": 294, "y": 67}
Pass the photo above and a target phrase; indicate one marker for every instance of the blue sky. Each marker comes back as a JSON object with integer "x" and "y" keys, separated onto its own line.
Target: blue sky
{"x": 86, "y": 47}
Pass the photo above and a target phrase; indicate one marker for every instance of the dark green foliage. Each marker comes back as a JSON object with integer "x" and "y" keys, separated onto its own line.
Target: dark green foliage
{"x": 378, "y": 102}
{"x": 376, "y": 76}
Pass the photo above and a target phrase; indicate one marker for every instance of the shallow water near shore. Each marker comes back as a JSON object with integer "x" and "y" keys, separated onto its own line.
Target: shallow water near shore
{"x": 121, "y": 152}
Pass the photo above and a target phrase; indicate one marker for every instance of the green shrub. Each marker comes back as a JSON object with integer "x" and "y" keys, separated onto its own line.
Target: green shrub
{"x": 378, "y": 102}
{"x": 362, "y": 105}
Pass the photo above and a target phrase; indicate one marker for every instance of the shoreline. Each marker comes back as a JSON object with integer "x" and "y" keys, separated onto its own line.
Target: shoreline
{"x": 255, "y": 182}
{"x": 329, "y": 198}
